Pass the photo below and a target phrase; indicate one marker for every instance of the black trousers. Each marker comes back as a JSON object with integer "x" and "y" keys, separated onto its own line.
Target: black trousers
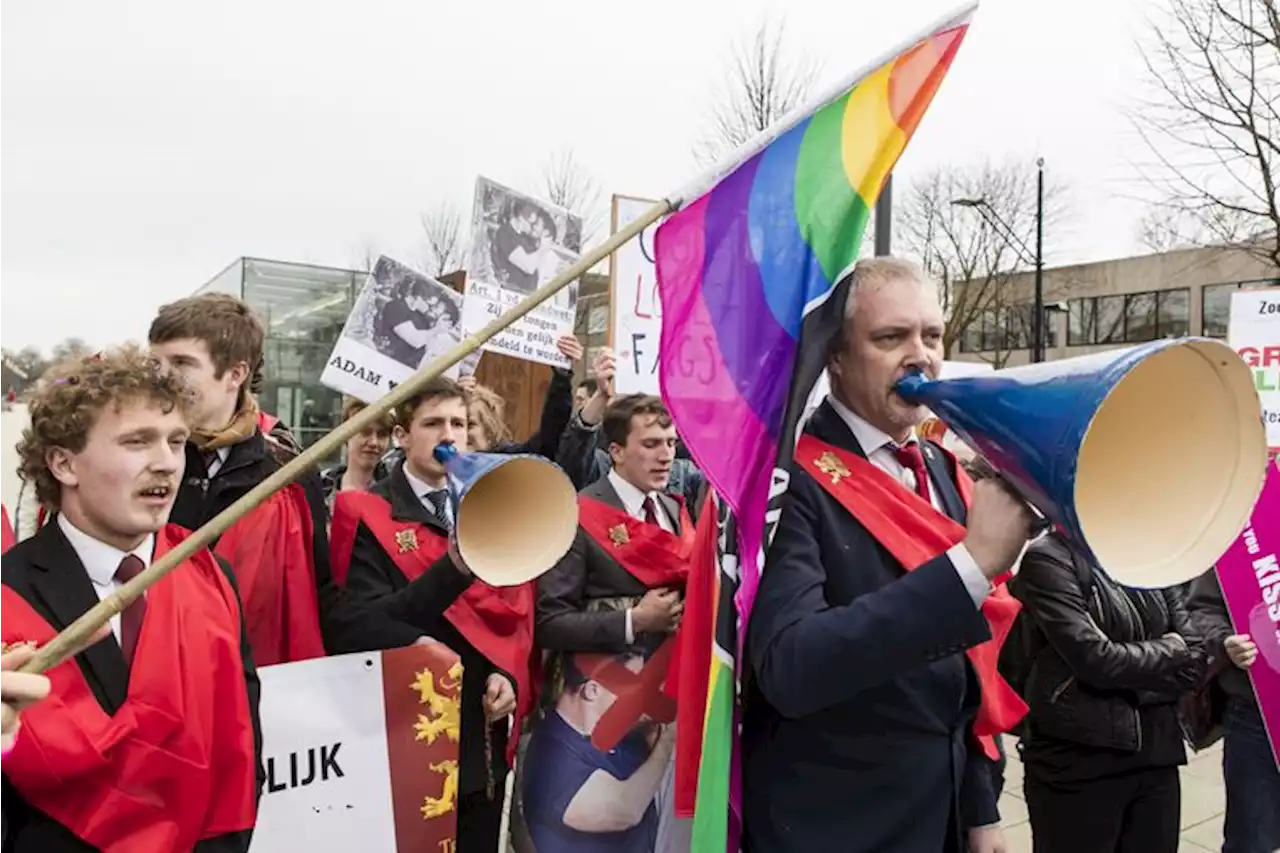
{"x": 1134, "y": 813}
{"x": 480, "y": 819}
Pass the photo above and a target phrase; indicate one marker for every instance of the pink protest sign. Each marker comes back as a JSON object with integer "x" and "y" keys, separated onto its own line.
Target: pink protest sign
{"x": 1250, "y": 577}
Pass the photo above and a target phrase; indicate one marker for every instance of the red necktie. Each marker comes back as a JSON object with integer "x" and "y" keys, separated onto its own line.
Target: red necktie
{"x": 910, "y": 457}
{"x": 651, "y": 511}
{"x": 131, "y": 618}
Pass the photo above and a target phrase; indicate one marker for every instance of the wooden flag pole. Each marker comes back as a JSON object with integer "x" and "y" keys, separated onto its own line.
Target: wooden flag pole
{"x": 76, "y": 636}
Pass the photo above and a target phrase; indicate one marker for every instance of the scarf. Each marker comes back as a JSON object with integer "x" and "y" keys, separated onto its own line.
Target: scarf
{"x": 242, "y": 426}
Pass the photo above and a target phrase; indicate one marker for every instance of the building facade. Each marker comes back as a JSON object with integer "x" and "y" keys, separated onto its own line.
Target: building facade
{"x": 1108, "y": 304}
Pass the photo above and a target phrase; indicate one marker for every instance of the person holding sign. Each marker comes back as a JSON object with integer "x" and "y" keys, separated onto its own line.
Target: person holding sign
{"x": 1248, "y": 768}
{"x": 398, "y": 534}
{"x": 149, "y": 739}
{"x": 621, "y": 585}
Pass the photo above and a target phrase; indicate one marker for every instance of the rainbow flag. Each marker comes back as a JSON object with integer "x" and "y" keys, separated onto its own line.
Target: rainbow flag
{"x": 749, "y": 272}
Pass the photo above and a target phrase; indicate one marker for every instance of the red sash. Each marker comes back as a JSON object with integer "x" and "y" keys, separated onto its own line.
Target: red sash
{"x": 498, "y": 621}
{"x": 176, "y": 762}
{"x": 650, "y": 554}
{"x": 914, "y": 533}
{"x": 7, "y": 537}
{"x": 270, "y": 550}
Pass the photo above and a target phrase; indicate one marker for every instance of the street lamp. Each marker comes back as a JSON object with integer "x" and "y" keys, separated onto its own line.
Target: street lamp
{"x": 988, "y": 213}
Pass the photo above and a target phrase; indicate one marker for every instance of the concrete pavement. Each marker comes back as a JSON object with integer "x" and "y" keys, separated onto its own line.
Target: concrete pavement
{"x": 1203, "y": 803}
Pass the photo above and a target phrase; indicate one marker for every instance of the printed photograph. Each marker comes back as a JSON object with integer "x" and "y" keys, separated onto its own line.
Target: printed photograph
{"x": 518, "y": 243}
{"x": 406, "y": 316}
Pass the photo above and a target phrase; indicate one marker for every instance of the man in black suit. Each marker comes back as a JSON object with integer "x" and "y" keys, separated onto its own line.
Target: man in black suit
{"x": 150, "y": 739}
{"x": 859, "y": 700}
{"x": 619, "y": 587}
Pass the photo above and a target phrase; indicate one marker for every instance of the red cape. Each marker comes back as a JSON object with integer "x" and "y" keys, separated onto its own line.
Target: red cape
{"x": 176, "y": 763}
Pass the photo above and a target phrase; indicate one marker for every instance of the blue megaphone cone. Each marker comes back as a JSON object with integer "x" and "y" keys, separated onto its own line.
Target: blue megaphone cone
{"x": 514, "y": 515}
{"x": 1148, "y": 458}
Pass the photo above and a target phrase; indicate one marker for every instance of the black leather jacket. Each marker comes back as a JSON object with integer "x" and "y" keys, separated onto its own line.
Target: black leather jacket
{"x": 1099, "y": 651}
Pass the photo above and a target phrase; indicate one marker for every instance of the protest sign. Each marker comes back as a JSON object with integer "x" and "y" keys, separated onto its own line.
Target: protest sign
{"x": 636, "y": 322}
{"x": 402, "y": 321}
{"x": 361, "y": 753}
{"x": 1254, "y": 332}
{"x": 519, "y": 244}
{"x": 1249, "y": 575}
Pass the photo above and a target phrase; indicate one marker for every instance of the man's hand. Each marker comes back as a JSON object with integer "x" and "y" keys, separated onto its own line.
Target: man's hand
{"x": 987, "y": 839}
{"x": 18, "y": 690}
{"x": 999, "y": 525}
{"x": 570, "y": 347}
{"x": 593, "y": 410}
{"x": 659, "y": 610}
{"x": 467, "y": 383}
{"x": 499, "y": 697}
{"x": 1242, "y": 650}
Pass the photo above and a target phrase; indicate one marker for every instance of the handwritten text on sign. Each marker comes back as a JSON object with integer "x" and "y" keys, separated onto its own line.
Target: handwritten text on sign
{"x": 637, "y": 311}
{"x": 1250, "y": 577}
{"x": 1254, "y": 332}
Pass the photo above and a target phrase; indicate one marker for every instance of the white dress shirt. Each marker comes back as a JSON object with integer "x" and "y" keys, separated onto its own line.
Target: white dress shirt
{"x": 102, "y": 560}
{"x": 219, "y": 459}
{"x": 633, "y": 502}
{"x": 880, "y": 450}
{"x": 420, "y": 488}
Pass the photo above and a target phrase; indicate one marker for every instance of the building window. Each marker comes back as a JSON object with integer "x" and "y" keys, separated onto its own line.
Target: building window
{"x": 1173, "y": 313}
{"x": 1140, "y": 317}
{"x": 990, "y": 331}
{"x": 1082, "y": 326}
{"x": 1017, "y": 327}
{"x": 1215, "y": 304}
{"x": 1109, "y": 311}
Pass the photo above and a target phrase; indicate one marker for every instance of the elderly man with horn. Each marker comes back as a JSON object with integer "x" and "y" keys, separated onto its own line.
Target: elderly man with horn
{"x": 867, "y": 726}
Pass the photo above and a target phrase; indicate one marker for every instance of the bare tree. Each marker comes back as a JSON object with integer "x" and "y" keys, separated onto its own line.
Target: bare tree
{"x": 442, "y": 239}
{"x": 1212, "y": 121}
{"x": 365, "y": 256}
{"x": 567, "y": 183}
{"x": 973, "y": 256}
{"x": 69, "y": 348}
{"x": 765, "y": 79}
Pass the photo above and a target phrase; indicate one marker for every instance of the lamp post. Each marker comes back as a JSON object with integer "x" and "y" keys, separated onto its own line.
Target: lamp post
{"x": 989, "y": 215}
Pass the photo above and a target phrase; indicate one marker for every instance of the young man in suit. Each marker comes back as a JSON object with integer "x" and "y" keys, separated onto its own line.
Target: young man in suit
{"x": 280, "y": 549}
{"x": 860, "y": 702}
{"x": 149, "y": 738}
{"x": 620, "y": 586}
{"x": 398, "y": 534}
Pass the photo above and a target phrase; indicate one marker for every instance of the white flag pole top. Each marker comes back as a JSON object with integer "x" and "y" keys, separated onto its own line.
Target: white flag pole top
{"x": 704, "y": 183}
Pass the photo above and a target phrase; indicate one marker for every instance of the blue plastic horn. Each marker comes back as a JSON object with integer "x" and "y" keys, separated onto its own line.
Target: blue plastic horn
{"x": 514, "y": 515}
{"x": 1149, "y": 458}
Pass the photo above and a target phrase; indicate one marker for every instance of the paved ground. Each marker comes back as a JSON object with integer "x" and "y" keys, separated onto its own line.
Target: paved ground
{"x": 1202, "y": 804}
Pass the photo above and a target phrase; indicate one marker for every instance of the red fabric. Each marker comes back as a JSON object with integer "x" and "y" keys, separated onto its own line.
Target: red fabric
{"x": 498, "y": 621}
{"x": 914, "y": 533}
{"x": 131, "y": 618}
{"x": 266, "y": 422}
{"x": 270, "y": 550}
{"x": 910, "y": 457}
{"x": 176, "y": 762}
{"x": 7, "y": 537}
{"x": 650, "y": 554}
{"x": 690, "y": 671}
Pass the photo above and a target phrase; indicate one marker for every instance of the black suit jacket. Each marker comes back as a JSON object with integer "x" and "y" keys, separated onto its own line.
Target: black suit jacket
{"x": 587, "y": 572}
{"x": 345, "y": 624}
{"x": 374, "y": 576}
{"x": 858, "y": 699}
{"x": 46, "y": 571}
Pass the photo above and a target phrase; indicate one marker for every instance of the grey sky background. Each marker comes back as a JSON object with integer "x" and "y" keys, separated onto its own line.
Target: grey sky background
{"x": 145, "y": 145}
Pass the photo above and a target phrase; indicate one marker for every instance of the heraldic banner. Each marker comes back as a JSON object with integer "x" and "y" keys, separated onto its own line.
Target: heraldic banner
{"x": 361, "y": 753}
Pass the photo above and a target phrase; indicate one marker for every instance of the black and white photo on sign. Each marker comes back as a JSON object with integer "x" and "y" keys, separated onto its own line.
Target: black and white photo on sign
{"x": 519, "y": 244}
{"x": 401, "y": 322}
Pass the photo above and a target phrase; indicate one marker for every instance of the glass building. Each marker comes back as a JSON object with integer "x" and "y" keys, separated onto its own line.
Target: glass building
{"x": 303, "y": 308}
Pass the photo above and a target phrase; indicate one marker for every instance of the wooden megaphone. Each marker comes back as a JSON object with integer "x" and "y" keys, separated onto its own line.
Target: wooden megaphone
{"x": 1148, "y": 458}
{"x": 514, "y": 516}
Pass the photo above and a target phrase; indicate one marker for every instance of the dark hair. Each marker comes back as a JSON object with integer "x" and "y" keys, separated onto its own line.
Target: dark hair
{"x": 590, "y": 384}
{"x": 224, "y": 324}
{"x": 617, "y": 418}
{"x": 645, "y": 647}
{"x": 439, "y": 388}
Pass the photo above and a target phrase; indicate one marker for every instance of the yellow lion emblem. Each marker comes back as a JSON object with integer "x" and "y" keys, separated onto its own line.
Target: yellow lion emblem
{"x": 444, "y": 717}
{"x": 445, "y": 803}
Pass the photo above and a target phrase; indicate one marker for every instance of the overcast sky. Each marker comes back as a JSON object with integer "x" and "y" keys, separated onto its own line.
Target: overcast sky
{"x": 146, "y": 145}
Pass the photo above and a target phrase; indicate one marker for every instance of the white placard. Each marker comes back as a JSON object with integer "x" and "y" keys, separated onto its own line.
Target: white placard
{"x": 373, "y": 354}
{"x": 1254, "y": 332}
{"x": 637, "y": 311}
{"x": 328, "y": 716}
{"x": 519, "y": 244}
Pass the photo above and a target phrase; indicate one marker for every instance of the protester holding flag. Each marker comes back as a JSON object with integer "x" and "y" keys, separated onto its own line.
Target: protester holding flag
{"x": 280, "y": 549}
{"x": 398, "y": 534}
{"x": 149, "y": 739}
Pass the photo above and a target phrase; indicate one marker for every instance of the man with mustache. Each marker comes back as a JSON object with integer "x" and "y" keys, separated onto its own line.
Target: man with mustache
{"x": 148, "y": 739}
{"x": 866, "y": 727}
